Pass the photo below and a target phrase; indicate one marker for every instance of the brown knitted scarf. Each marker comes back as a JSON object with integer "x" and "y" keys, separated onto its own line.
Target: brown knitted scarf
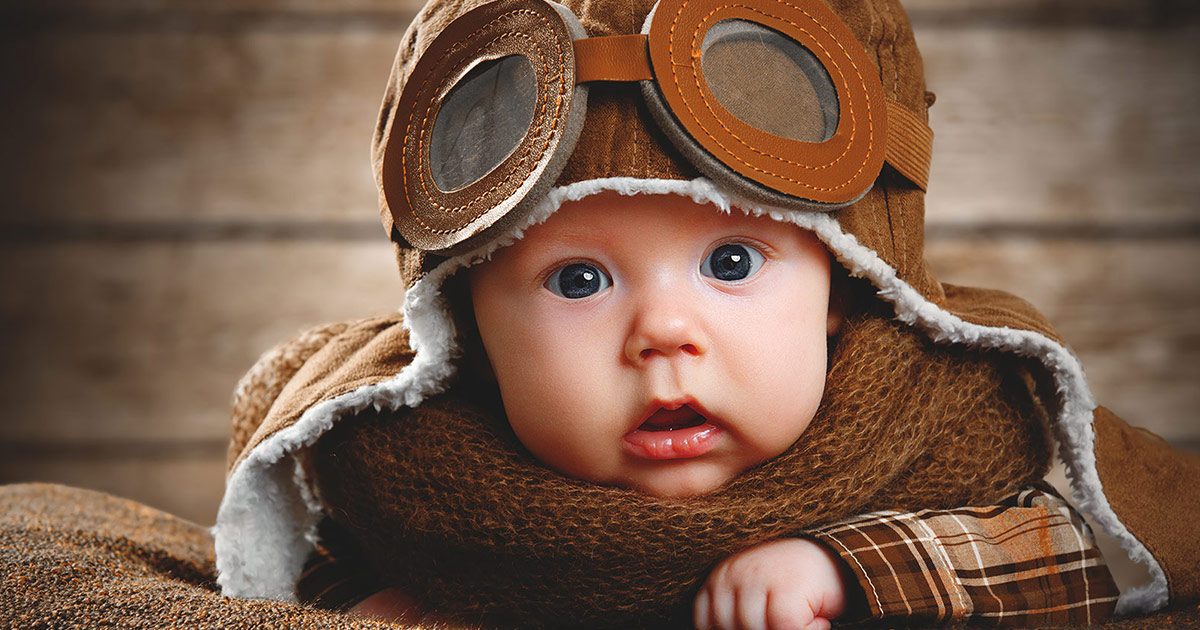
{"x": 449, "y": 506}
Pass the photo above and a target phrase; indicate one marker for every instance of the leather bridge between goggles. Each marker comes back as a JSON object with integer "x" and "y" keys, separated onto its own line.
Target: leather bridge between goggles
{"x": 772, "y": 99}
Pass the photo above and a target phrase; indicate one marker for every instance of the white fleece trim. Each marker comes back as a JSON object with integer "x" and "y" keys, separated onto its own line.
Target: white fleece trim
{"x": 266, "y": 525}
{"x": 263, "y": 521}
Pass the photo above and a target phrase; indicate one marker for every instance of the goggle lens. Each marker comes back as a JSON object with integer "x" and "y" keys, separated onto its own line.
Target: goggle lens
{"x": 769, "y": 81}
{"x": 481, "y": 121}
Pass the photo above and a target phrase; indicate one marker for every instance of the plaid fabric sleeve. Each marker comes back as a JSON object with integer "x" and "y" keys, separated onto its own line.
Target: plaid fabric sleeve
{"x": 1029, "y": 560}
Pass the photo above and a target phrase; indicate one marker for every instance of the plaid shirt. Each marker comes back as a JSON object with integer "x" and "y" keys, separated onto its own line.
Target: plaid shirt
{"x": 1029, "y": 560}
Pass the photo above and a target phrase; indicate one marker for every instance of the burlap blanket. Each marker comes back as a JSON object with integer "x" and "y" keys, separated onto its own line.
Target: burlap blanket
{"x": 72, "y": 558}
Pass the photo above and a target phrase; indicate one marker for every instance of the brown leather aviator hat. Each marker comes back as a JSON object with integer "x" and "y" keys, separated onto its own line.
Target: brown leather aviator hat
{"x": 810, "y": 112}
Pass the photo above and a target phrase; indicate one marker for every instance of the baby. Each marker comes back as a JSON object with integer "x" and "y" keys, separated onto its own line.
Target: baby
{"x": 684, "y": 346}
{"x": 655, "y": 417}
{"x": 657, "y": 344}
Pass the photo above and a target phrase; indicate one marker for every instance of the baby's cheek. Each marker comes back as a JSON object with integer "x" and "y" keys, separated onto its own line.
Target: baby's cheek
{"x": 791, "y": 397}
{"x": 559, "y": 426}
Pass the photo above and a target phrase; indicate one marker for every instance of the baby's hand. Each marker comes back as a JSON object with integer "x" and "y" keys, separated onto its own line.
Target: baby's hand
{"x": 787, "y": 584}
{"x": 390, "y": 604}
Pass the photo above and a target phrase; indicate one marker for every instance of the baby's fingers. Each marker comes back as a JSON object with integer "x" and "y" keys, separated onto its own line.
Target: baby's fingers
{"x": 792, "y": 613}
{"x": 727, "y": 609}
{"x": 751, "y": 609}
{"x": 722, "y": 609}
{"x": 701, "y": 611}
{"x": 714, "y": 607}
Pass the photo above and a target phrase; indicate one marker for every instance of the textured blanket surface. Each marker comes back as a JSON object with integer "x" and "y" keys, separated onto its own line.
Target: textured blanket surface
{"x": 72, "y": 558}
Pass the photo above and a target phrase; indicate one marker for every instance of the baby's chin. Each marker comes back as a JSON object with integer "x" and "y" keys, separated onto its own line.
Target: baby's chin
{"x": 673, "y": 481}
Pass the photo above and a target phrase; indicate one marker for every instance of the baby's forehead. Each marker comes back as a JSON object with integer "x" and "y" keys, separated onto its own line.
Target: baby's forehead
{"x": 648, "y": 216}
{"x": 622, "y": 232}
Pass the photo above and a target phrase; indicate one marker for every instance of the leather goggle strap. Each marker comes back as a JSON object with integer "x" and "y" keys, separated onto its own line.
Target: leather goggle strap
{"x": 909, "y": 144}
{"x": 613, "y": 58}
{"x": 627, "y": 58}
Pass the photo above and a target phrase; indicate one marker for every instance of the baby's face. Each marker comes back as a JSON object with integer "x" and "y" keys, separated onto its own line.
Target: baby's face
{"x": 652, "y": 343}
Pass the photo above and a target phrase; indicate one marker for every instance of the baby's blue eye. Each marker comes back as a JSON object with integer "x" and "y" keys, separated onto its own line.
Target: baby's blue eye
{"x": 732, "y": 262}
{"x": 577, "y": 281}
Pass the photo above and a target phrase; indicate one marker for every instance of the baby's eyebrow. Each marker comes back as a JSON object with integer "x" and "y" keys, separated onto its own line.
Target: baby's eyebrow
{"x": 564, "y": 243}
{"x": 571, "y": 233}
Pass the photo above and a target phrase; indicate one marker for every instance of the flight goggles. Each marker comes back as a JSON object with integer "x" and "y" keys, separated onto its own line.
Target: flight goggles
{"x": 773, "y": 99}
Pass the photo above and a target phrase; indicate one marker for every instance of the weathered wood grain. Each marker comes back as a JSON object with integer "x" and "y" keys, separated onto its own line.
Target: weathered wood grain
{"x": 1122, "y": 14}
{"x": 1072, "y": 124}
{"x": 158, "y": 122}
{"x": 187, "y": 183}
{"x": 191, "y": 126}
{"x": 1130, "y": 311}
{"x": 189, "y": 488}
{"x": 117, "y": 341}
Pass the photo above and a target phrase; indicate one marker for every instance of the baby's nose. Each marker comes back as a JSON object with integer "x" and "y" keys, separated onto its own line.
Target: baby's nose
{"x": 664, "y": 331}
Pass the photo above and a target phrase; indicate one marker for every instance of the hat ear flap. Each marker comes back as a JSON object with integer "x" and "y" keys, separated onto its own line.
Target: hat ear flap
{"x": 1152, "y": 489}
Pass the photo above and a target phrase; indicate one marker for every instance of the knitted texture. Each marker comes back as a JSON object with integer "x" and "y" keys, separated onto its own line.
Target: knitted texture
{"x": 451, "y": 508}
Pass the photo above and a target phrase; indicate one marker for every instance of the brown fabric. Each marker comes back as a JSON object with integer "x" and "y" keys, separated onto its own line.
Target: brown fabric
{"x": 932, "y": 566}
{"x": 336, "y": 360}
{"x": 613, "y": 58}
{"x": 890, "y": 220}
{"x": 336, "y": 576}
{"x": 1153, "y": 487}
{"x": 260, "y": 387}
{"x": 989, "y": 307}
{"x": 72, "y": 558}
{"x": 620, "y": 139}
{"x": 451, "y": 508}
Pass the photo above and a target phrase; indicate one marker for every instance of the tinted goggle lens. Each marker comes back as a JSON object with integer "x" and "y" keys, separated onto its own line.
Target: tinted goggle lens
{"x": 481, "y": 121}
{"x": 769, "y": 81}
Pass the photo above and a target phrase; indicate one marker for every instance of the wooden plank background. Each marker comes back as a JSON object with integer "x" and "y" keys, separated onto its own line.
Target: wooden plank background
{"x": 187, "y": 183}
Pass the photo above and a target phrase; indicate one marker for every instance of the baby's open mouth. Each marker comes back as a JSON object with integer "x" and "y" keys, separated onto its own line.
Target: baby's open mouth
{"x": 673, "y": 431}
{"x": 673, "y": 419}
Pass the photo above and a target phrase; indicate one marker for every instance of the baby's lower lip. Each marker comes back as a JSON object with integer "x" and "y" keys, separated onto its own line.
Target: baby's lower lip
{"x": 676, "y": 444}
